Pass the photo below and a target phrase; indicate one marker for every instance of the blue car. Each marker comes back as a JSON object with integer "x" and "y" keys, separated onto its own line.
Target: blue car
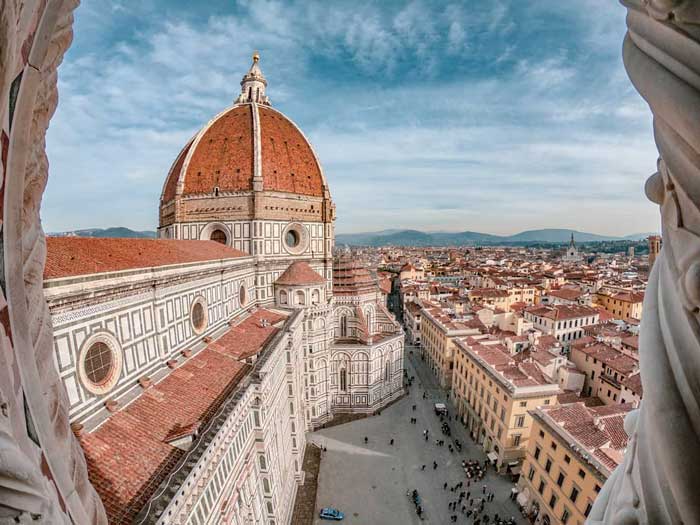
{"x": 329, "y": 513}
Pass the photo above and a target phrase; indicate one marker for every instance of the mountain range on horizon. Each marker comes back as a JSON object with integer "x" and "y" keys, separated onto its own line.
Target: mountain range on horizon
{"x": 399, "y": 237}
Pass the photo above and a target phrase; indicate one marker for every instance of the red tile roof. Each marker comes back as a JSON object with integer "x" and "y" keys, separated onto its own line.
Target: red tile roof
{"x": 288, "y": 163}
{"x": 350, "y": 277}
{"x": 71, "y": 256}
{"x": 598, "y": 429}
{"x": 300, "y": 273}
{"x": 250, "y": 336}
{"x": 223, "y": 157}
{"x": 129, "y": 455}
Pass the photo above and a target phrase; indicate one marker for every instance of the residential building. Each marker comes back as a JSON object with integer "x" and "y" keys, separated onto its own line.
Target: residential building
{"x": 573, "y": 449}
{"x": 493, "y": 392}
{"x": 565, "y": 322}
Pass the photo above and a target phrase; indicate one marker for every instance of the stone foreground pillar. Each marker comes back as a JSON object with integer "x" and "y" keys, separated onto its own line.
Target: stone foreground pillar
{"x": 43, "y": 476}
{"x": 659, "y": 479}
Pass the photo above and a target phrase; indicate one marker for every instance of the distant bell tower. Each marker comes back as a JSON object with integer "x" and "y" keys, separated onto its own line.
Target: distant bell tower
{"x": 253, "y": 85}
{"x": 654, "y": 249}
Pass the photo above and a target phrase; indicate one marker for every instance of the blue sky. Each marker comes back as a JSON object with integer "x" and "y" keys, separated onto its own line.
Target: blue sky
{"x": 486, "y": 115}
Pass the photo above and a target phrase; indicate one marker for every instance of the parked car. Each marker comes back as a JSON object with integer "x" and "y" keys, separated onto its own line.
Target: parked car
{"x": 329, "y": 513}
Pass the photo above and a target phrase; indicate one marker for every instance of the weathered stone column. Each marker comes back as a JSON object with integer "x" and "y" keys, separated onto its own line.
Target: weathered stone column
{"x": 43, "y": 477}
{"x": 659, "y": 480}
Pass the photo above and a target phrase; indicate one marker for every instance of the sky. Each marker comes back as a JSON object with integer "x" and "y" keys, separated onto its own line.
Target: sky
{"x": 486, "y": 115}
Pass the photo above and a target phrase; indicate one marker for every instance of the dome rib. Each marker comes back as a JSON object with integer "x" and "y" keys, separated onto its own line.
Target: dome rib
{"x": 223, "y": 155}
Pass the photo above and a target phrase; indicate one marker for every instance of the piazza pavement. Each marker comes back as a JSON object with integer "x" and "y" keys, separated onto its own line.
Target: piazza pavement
{"x": 369, "y": 483}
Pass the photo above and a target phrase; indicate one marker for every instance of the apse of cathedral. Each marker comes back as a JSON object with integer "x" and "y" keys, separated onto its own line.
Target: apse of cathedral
{"x": 195, "y": 364}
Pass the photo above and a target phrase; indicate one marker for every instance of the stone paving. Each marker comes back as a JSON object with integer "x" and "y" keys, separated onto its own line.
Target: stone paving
{"x": 369, "y": 483}
{"x": 304, "y": 505}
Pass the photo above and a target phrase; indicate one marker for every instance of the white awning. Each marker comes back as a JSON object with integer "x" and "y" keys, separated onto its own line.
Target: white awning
{"x": 492, "y": 456}
{"x": 522, "y": 498}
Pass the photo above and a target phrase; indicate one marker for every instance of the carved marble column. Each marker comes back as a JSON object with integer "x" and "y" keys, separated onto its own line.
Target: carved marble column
{"x": 659, "y": 480}
{"x": 43, "y": 477}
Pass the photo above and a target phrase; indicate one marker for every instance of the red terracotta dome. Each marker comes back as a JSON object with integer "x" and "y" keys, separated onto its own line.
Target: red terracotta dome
{"x": 222, "y": 156}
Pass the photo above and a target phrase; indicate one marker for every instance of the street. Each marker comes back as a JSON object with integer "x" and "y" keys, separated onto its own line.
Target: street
{"x": 369, "y": 483}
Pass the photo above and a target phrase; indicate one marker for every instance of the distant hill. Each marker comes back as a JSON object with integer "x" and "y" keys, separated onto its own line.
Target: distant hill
{"x": 119, "y": 232}
{"x": 469, "y": 238}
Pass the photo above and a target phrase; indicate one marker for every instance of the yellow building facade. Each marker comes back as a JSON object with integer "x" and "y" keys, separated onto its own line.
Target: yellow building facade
{"x": 624, "y": 305}
{"x": 494, "y": 394}
{"x": 561, "y": 477}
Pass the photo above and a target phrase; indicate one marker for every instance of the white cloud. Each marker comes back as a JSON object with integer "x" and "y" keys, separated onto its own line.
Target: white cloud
{"x": 424, "y": 117}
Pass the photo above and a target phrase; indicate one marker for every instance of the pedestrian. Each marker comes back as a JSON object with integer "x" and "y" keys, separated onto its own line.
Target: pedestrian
{"x": 365, "y": 440}
{"x": 483, "y": 489}
{"x": 468, "y": 494}
{"x": 391, "y": 442}
{"x": 444, "y": 487}
{"x": 434, "y": 465}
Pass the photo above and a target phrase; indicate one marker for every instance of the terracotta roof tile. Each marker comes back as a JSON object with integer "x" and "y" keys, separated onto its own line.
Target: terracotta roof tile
{"x": 288, "y": 163}
{"x": 130, "y": 454}
{"x": 72, "y": 256}
{"x": 223, "y": 156}
{"x": 300, "y": 273}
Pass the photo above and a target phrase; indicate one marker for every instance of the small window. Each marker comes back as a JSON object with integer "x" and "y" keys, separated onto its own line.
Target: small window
{"x": 548, "y": 465}
{"x": 567, "y": 458}
{"x": 581, "y": 474}
{"x": 560, "y": 479}
{"x": 541, "y": 433}
{"x": 552, "y": 501}
{"x": 537, "y": 452}
{"x": 554, "y": 445}
{"x": 574, "y": 494}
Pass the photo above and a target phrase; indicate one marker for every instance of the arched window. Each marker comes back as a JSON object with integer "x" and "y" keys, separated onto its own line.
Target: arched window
{"x": 343, "y": 380}
{"x": 257, "y": 94}
{"x": 283, "y": 297}
{"x": 250, "y": 94}
{"x": 315, "y": 297}
{"x": 343, "y": 326}
{"x": 387, "y": 371}
{"x": 369, "y": 316}
{"x": 300, "y": 297}
{"x": 263, "y": 463}
{"x": 218, "y": 236}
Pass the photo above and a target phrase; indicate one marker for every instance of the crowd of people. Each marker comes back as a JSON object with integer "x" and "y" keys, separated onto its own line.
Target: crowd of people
{"x": 469, "y": 500}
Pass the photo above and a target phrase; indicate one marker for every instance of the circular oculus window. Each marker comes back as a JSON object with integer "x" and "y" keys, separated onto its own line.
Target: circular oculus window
{"x": 198, "y": 315}
{"x": 295, "y": 238}
{"x": 100, "y": 364}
